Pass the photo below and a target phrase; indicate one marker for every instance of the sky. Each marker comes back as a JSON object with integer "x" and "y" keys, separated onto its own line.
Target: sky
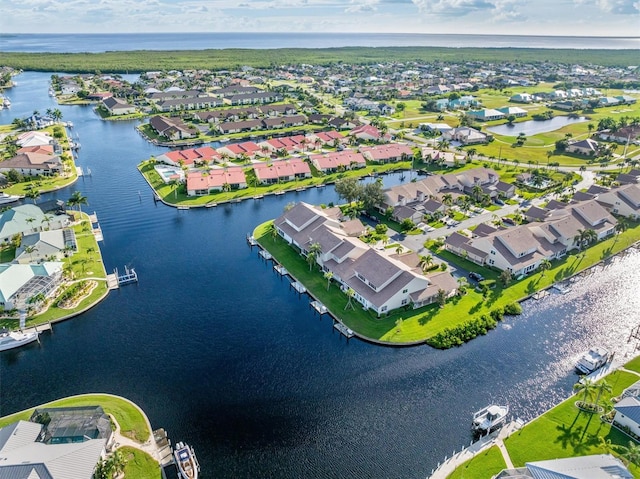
{"x": 526, "y": 17}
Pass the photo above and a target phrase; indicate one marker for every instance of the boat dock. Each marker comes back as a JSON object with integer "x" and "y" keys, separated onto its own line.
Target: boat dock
{"x": 281, "y": 270}
{"x": 95, "y": 227}
{"x": 115, "y": 280}
{"x": 346, "y": 332}
{"x": 251, "y": 240}
{"x": 319, "y": 307}
{"x": 299, "y": 287}
{"x": 561, "y": 288}
{"x": 540, "y": 294}
{"x": 265, "y": 254}
{"x": 38, "y": 328}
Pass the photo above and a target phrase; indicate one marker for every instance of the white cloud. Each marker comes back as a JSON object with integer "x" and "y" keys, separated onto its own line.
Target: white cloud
{"x": 453, "y": 7}
{"x": 362, "y": 6}
{"x": 623, "y": 7}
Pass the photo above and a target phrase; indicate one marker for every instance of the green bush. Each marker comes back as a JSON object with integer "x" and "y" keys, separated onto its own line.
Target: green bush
{"x": 465, "y": 332}
{"x": 513, "y": 309}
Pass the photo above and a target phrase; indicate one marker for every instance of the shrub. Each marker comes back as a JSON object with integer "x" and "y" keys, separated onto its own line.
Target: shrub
{"x": 513, "y": 309}
{"x": 465, "y": 332}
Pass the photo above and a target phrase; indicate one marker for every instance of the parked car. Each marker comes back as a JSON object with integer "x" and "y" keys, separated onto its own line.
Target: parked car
{"x": 476, "y": 276}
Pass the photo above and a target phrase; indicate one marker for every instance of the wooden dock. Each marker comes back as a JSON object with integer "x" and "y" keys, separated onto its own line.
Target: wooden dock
{"x": 251, "y": 240}
{"x": 346, "y": 332}
{"x": 540, "y": 294}
{"x": 319, "y": 307}
{"x": 38, "y": 328}
{"x": 112, "y": 281}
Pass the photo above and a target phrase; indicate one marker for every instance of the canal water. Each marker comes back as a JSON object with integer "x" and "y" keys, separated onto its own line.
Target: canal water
{"x": 217, "y": 349}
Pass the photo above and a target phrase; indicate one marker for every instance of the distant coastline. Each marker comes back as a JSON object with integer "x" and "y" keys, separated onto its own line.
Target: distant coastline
{"x": 98, "y": 42}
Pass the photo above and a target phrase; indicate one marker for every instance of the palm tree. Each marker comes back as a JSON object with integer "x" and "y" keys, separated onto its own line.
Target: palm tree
{"x": 328, "y": 276}
{"x": 47, "y": 219}
{"x": 425, "y": 262}
{"x": 33, "y": 194}
{"x": 273, "y": 231}
{"x": 631, "y": 453}
{"x": 545, "y": 264}
{"x": 311, "y": 258}
{"x": 506, "y": 277}
{"x": 30, "y": 220}
{"x": 447, "y": 199}
{"x": 77, "y": 200}
{"x": 30, "y": 250}
{"x": 620, "y": 227}
{"x": 476, "y": 191}
{"x": 350, "y": 294}
{"x": 399, "y": 249}
{"x": 602, "y": 386}
{"x": 585, "y": 237}
{"x": 587, "y": 387}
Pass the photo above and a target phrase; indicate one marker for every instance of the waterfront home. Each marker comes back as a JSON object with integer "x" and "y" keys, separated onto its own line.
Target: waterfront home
{"x": 466, "y": 135}
{"x": 601, "y": 466}
{"x": 246, "y": 149}
{"x": 230, "y": 127}
{"x": 382, "y": 282}
{"x": 389, "y": 153}
{"x": 278, "y": 110}
{"x": 332, "y": 162}
{"x": 340, "y": 123}
{"x": 216, "y": 180}
{"x": 435, "y": 127}
{"x": 586, "y": 147}
{"x": 446, "y": 158}
{"x": 284, "y": 170}
{"x": 173, "y": 93}
{"x": 27, "y": 219}
{"x": 626, "y": 134}
{"x": 487, "y": 114}
{"x": 116, "y": 106}
{"x": 190, "y": 157}
{"x": 33, "y": 163}
{"x": 192, "y": 103}
{"x": 520, "y": 249}
{"x": 236, "y": 89}
{"x": 513, "y": 110}
{"x": 628, "y": 414}
{"x": 171, "y": 128}
{"x": 46, "y": 245}
{"x": 20, "y": 282}
{"x": 68, "y": 445}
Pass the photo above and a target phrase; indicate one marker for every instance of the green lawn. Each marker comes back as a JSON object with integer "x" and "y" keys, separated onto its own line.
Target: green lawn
{"x": 129, "y": 416}
{"x": 140, "y": 465}
{"x": 566, "y": 431}
{"x": 421, "y": 324}
{"x": 7, "y": 254}
{"x": 481, "y": 466}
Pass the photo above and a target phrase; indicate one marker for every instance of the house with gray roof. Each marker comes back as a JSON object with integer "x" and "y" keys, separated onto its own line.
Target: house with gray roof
{"x": 628, "y": 414}
{"x": 21, "y": 282}
{"x": 623, "y": 200}
{"x": 46, "y": 245}
{"x": 600, "y": 466}
{"x": 27, "y": 219}
{"x": 380, "y": 281}
{"x": 24, "y": 455}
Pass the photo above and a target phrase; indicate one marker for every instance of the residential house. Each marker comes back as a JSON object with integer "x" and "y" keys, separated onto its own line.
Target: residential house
{"x": 20, "y": 282}
{"x": 439, "y": 127}
{"x": 486, "y": 114}
{"x": 513, "y": 110}
{"x": 281, "y": 171}
{"x": 369, "y": 133}
{"x": 191, "y": 103}
{"x": 288, "y": 144}
{"x": 34, "y": 138}
{"x": 46, "y": 245}
{"x": 219, "y": 179}
{"x": 521, "y": 98}
{"x": 626, "y": 134}
{"x": 340, "y": 123}
{"x": 332, "y": 162}
{"x": 466, "y": 135}
{"x": 172, "y": 94}
{"x": 229, "y": 127}
{"x": 253, "y": 98}
{"x": 117, "y": 106}
{"x": 26, "y": 219}
{"x": 623, "y": 200}
{"x": 33, "y": 163}
{"x": 171, "y": 128}
{"x": 278, "y": 110}
{"x": 70, "y": 88}
{"x": 380, "y": 281}
{"x": 286, "y": 121}
{"x": 236, "y": 90}
{"x": 67, "y": 445}
{"x": 191, "y": 156}
{"x": 331, "y": 138}
{"x": 628, "y": 414}
{"x": 246, "y": 149}
{"x": 231, "y": 114}
{"x": 389, "y": 153}
{"x": 601, "y": 466}
{"x": 586, "y": 147}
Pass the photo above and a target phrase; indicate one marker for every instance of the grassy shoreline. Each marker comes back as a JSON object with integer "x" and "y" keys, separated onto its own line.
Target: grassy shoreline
{"x": 139, "y": 61}
{"x": 420, "y": 325}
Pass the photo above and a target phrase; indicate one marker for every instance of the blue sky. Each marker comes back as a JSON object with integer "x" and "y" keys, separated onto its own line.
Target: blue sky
{"x": 540, "y": 17}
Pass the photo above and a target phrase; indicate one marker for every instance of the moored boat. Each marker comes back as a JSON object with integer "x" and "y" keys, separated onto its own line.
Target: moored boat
{"x": 14, "y": 339}
{"x": 186, "y": 461}
{"x": 5, "y": 198}
{"x": 593, "y": 359}
{"x": 490, "y": 418}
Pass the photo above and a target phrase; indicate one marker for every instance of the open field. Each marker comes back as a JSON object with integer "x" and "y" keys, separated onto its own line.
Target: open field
{"x": 140, "y": 61}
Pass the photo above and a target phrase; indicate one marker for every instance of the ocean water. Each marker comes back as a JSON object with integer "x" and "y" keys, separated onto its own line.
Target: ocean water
{"x": 199, "y": 41}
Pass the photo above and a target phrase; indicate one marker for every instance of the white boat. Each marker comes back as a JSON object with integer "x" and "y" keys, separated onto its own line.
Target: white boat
{"x": 593, "y": 359}
{"x": 14, "y": 339}
{"x": 186, "y": 461}
{"x": 5, "y": 198}
{"x": 490, "y": 418}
